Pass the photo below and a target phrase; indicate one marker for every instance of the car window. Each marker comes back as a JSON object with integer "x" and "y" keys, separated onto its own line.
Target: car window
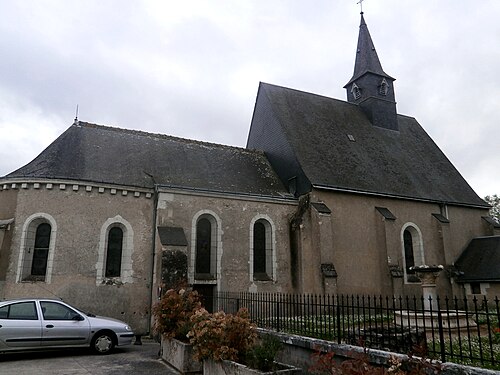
{"x": 19, "y": 311}
{"x": 56, "y": 311}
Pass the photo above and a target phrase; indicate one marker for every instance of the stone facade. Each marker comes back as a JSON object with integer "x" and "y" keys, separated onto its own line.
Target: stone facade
{"x": 234, "y": 217}
{"x": 328, "y": 197}
{"x": 363, "y": 245}
{"x": 81, "y": 216}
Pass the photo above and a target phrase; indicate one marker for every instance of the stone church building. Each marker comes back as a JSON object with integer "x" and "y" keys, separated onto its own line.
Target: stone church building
{"x": 329, "y": 196}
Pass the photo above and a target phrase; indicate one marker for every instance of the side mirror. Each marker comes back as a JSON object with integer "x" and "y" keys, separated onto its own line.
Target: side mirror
{"x": 78, "y": 318}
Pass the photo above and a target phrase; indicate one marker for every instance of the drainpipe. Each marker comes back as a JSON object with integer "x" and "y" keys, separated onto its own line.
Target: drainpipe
{"x": 153, "y": 250}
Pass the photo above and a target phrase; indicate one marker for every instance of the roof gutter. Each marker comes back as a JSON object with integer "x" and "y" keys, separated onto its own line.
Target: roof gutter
{"x": 394, "y": 196}
{"x": 285, "y": 198}
{"x": 477, "y": 280}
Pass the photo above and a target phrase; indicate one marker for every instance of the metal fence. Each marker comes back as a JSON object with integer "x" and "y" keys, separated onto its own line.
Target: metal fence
{"x": 450, "y": 329}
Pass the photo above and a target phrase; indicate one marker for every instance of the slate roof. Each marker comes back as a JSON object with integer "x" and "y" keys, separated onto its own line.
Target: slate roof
{"x": 172, "y": 236}
{"x": 90, "y": 152}
{"x": 331, "y": 143}
{"x": 480, "y": 260}
{"x": 367, "y": 60}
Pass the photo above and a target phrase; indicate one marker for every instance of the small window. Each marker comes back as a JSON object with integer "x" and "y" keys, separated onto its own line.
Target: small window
{"x": 114, "y": 252}
{"x": 383, "y": 88}
{"x": 356, "y": 91}
{"x": 475, "y": 288}
{"x": 19, "y": 311}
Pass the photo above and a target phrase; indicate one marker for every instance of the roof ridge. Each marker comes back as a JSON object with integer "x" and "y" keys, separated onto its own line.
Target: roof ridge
{"x": 327, "y": 97}
{"x": 308, "y": 93}
{"x": 161, "y": 136}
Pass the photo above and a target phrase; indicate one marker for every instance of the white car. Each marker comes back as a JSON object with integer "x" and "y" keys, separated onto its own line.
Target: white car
{"x": 29, "y": 324}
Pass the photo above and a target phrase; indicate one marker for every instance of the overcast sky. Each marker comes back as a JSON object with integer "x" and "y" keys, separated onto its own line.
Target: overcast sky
{"x": 191, "y": 68}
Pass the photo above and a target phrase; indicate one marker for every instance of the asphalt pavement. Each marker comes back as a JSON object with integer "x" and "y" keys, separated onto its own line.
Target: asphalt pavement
{"x": 133, "y": 359}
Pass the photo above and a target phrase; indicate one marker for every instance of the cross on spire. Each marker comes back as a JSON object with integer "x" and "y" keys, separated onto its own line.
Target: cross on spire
{"x": 360, "y": 2}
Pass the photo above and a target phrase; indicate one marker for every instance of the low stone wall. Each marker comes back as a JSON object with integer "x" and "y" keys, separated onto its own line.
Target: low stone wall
{"x": 299, "y": 349}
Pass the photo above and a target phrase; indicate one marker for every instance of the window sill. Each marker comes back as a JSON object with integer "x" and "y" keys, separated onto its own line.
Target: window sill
{"x": 262, "y": 277}
{"x": 205, "y": 276}
{"x": 33, "y": 279}
{"x": 112, "y": 281}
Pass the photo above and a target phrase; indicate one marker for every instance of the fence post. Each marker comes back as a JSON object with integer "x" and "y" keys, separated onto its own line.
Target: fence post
{"x": 441, "y": 331}
{"x": 278, "y": 316}
{"x": 339, "y": 338}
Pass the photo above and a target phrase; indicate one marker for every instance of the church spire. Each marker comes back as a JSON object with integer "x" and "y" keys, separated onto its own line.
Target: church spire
{"x": 370, "y": 86}
{"x": 366, "y": 56}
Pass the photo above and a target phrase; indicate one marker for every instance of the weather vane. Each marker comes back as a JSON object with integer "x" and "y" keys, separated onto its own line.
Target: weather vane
{"x": 360, "y": 2}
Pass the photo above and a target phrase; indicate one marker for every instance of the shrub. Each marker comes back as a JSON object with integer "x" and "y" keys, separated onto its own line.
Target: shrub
{"x": 327, "y": 364}
{"x": 220, "y": 336}
{"x": 172, "y": 314}
{"x": 262, "y": 355}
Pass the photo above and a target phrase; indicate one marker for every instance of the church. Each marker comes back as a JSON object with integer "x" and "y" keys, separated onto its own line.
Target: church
{"x": 329, "y": 196}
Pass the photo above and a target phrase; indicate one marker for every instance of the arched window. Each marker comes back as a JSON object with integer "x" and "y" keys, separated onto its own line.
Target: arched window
{"x": 259, "y": 248}
{"x": 356, "y": 91}
{"x": 261, "y": 252}
{"x": 116, "y": 245}
{"x": 41, "y": 250}
{"x": 413, "y": 253}
{"x": 383, "y": 88}
{"x": 114, "y": 252}
{"x": 409, "y": 258}
{"x": 37, "y": 248}
{"x": 206, "y": 247}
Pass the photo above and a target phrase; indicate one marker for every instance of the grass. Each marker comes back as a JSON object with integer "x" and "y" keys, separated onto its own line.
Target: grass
{"x": 477, "y": 352}
{"x": 480, "y": 352}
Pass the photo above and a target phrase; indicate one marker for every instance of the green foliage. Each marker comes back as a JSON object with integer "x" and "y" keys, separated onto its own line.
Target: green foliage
{"x": 262, "y": 355}
{"x": 324, "y": 326}
{"x": 477, "y": 347}
{"x": 220, "y": 336}
{"x": 173, "y": 312}
{"x": 482, "y": 351}
{"x": 494, "y": 201}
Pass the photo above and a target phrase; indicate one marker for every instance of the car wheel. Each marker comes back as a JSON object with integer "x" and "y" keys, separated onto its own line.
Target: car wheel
{"x": 103, "y": 342}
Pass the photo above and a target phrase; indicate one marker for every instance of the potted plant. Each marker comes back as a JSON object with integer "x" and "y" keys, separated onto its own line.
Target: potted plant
{"x": 172, "y": 321}
{"x": 228, "y": 344}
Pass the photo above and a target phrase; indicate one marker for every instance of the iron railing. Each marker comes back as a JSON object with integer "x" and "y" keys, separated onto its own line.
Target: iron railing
{"x": 457, "y": 330}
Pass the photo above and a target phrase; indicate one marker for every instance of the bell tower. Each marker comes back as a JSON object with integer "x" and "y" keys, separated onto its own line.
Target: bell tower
{"x": 370, "y": 87}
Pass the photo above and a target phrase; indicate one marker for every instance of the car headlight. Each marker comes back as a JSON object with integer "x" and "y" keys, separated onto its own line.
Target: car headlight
{"x": 127, "y": 328}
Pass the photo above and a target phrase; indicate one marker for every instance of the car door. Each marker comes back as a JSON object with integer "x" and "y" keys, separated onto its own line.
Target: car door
{"x": 63, "y": 326}
{"x": 20, "y": 325}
